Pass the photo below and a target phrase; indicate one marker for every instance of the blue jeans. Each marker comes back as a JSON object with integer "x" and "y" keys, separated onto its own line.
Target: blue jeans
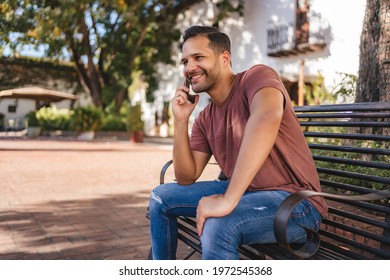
{"x": 250, "y": 222}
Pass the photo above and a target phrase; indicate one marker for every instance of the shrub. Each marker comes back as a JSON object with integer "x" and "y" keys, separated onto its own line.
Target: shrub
{"x": 88, "y": 118}
{"x": 113, "y": 122}
{"x": 51, "y": 118}
{"x": 31, "y": 118}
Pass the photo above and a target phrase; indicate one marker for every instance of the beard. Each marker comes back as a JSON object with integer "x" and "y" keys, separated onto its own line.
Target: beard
{"x": 209, "y": 82}
{"x": 209, "y": 78}
{"x": 203, "y": 87}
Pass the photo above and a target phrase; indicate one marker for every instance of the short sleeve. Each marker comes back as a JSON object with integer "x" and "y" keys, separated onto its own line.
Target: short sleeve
{"x": 258, "y": 77}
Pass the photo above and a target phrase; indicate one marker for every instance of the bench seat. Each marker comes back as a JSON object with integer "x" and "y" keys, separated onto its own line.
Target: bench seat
{"x": 350, "y": 144}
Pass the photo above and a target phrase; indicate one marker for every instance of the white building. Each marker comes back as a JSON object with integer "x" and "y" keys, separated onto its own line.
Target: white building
{"x": 324, "y": 35}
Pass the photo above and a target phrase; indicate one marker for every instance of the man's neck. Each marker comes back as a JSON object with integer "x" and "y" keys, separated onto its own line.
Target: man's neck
{"x": 221, "y": 92}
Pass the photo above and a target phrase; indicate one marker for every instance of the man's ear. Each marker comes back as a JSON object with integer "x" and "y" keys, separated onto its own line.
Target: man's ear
{"x": 226, "y": 57}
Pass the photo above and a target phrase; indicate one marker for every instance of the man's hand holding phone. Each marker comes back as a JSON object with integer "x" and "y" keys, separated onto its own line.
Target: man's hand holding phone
{"x": 183, "y": 103}
{"x": 190, "y": 97}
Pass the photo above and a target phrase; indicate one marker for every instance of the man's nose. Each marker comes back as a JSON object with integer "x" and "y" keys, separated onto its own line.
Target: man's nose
{"x": 191, "y": 66}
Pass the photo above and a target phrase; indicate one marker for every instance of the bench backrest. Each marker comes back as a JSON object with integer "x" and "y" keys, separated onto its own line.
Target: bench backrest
{"x": 350, "y": 144}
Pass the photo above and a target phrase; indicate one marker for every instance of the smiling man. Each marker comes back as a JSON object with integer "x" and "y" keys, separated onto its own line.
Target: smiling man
{"x": 251, "y": 130}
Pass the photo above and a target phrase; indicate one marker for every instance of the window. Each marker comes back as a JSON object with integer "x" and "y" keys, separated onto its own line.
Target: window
{"x": 12, "y": 108}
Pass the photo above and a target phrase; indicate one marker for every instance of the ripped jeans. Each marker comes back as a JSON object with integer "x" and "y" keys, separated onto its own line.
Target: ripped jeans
{"x": 250, "y": 222}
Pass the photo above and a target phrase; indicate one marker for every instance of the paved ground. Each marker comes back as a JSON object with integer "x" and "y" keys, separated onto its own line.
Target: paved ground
{"x": 64, "y": 199}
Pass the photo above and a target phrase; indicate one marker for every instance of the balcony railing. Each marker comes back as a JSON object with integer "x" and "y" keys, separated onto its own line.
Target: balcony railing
{"x": 281, "y": 38}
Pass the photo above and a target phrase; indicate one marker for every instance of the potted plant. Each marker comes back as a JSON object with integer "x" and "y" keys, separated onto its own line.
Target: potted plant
{"x": 33, "y": 125}
{"x": 86, "y": 120}
{"x": 136, "y": 124}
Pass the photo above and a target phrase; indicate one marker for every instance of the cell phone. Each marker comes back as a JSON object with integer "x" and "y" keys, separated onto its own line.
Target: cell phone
{"x": 190, "y": 97}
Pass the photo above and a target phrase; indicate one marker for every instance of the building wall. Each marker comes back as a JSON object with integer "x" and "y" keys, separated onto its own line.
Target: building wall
{"x": 16, "y": 73}
{"x": 249, "y": 39}
{"x": 344, "y": 21}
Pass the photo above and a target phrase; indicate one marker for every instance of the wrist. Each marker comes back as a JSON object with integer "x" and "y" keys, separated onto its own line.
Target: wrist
{"x": 181, "y": 122}
{"x": 180, "y": 125}
{"x": 230, "y": 201}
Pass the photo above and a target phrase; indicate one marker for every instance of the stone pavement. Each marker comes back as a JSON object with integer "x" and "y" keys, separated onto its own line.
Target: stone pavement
{"x": 62, "y": 199}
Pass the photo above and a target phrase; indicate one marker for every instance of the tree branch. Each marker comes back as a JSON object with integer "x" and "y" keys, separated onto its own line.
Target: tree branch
{"x": 96, "y": 87}
{"x": 80, "y": 69}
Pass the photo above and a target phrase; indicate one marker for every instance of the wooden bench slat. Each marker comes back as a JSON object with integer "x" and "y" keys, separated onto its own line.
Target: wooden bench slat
{"x": 345, "y": 123}
{"x": 359, "y": 218}
{"x": 349, "y": 149}
{"x": 351, "y": 136}
{"x": 372, "y": 164}
{"x": 363, "y": 106}
{"x": 345, "y": 186}
{"x": 348, "y": 159}
{"x": 357, "y": 231}
{"x": 382, "y": 209}
{"x": 354, "y": 175}
{"x": 342, "y": 115}
{"x": 361, "y": 246}
{"x": 339, "y": 251}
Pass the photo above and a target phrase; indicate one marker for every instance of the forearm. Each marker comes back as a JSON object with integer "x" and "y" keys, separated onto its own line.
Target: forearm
{"x": 183, "y": 160}
{"x": 255, "y": 148}
{"x": 259, "y": 137}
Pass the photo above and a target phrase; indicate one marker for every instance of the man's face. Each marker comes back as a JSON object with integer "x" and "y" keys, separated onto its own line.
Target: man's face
{"x": 201, "y": 64}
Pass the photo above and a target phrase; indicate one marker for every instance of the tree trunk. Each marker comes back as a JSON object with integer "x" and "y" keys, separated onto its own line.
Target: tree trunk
{"x": 119, "y": 98}
{"x": 92, "y": 72}
{"x": 373, "y": 82}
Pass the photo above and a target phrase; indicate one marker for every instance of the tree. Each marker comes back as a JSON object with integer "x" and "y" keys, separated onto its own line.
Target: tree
{"x": 373, "y": 82}
{"x": 107, "y": 40}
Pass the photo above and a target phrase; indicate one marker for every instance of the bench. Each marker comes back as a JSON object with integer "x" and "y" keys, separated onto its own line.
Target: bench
{"x": 350, "y": 144}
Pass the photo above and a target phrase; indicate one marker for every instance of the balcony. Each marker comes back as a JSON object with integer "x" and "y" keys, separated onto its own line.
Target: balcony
{"x": 282, "y": 38}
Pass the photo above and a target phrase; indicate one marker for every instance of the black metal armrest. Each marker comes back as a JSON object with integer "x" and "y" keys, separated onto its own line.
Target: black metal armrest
{"x": 312, "y": 243}
{"x": 164, "y": 170}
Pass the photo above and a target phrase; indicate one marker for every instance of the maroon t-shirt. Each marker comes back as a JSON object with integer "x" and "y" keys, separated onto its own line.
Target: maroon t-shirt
{"x": 218, "y": 130}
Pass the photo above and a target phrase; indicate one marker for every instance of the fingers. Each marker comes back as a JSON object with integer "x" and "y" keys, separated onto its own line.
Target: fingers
{"x": 201, "y": 214}
{"x": 180, "y": 99}
{"x": 199, "y": 225}
{"x": 182, "y": 96}
{"x": 200, "y": 220}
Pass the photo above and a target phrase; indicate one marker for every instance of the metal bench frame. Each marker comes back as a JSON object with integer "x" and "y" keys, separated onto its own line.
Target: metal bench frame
{"x": 358, "y": 223}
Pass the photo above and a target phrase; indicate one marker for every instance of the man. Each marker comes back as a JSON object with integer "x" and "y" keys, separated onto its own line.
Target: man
{"x": 251, "y": 130}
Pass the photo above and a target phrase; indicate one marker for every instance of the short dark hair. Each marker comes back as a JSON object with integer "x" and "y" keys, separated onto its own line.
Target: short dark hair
{"x": 219, "y": 41}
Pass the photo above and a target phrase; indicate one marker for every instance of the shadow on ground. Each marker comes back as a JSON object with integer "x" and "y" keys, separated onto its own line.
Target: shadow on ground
{"x": 112, "y": 227}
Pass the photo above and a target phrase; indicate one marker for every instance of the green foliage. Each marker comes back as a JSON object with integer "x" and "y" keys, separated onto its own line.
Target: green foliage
{"x": 106, "y": 40}
{"x": 345, "y": 90}
{"x": 134, "y": 119}
{"x": 349, "y": 155}
{"x": 114, "y": 122}
{"x": 81, "y": 119}
{"x": 317, "y": 93}
{"x": 354, "y": 169}
{"x": 226, "y": 7}
{"x": 88, "y": 118}
{"x": 51, "y": 118}
{"x": 31, "y": 118}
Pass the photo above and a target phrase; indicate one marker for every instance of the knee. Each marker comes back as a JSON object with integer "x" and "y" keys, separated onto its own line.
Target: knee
{"x": 155, "y": 199}
{"x": 219, "y": 238}
{"x": 218, "y": 228}
{"x": 161, "y": 196}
